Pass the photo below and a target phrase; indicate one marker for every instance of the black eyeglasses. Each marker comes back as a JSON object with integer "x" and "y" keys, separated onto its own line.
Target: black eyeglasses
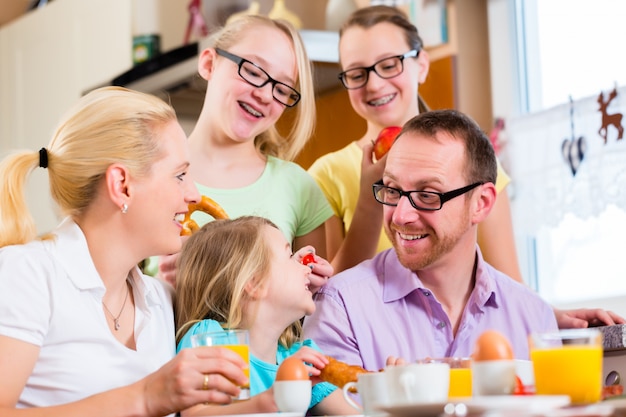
{"x": 420, "y": 200}
{"x": 256, "y": 76}
{"x": 385, "y": 68}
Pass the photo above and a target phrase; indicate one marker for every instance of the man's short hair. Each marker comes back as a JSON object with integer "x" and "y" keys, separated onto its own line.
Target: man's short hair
{"x": 481, "y": 163}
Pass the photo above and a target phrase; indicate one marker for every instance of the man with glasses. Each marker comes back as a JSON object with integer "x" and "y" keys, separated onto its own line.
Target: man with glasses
{"x": 431, "y": 295}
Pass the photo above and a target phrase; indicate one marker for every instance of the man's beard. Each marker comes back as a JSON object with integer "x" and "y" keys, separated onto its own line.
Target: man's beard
{"x": 416, "y": 260}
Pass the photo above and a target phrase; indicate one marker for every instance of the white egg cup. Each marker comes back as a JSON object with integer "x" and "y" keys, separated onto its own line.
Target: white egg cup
{"x": 496, "y": 377}
{"x": 292, "y": 396}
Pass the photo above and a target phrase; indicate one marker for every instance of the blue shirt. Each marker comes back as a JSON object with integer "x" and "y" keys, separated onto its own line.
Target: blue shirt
{"x": 262, "y": 374}
{"x": 379, "y": 308}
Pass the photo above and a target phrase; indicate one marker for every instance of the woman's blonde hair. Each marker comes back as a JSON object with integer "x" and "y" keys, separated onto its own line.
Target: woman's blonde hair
{"x": 270, "y": 142}
{"x": 219, "y": 266}
{"x": 108, "y": 125}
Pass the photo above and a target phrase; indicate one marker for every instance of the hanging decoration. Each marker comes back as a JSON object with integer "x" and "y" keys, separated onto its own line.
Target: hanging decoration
{"x": 580, "y": 176}
{"x": 196, "y": 23}
{"x": 496, "y": 137}
{"x": 573, "y": 149}
{"x": 614, "y": 119}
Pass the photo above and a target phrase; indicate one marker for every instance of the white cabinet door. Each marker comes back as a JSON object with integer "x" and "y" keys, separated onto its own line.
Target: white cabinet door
{"x": 48, "y": 58}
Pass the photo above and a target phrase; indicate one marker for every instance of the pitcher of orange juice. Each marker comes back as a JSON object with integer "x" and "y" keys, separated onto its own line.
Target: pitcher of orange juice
{"x": 568, "y": 362}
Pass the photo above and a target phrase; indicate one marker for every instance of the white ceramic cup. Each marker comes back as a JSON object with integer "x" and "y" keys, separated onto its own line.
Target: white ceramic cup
{"x": 372, "y": 390}
{"x": 524, "y": 370}
{"x": 496, "y": 377}
{"x": 292, "y": 396}
{"x": 417, "y": 383}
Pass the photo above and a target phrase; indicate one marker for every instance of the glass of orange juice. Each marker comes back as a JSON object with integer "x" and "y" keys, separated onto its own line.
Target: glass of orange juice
{"x": 568, "y": 362}
{"x": 460, "y": 375}
{"x": 236, "y": 340}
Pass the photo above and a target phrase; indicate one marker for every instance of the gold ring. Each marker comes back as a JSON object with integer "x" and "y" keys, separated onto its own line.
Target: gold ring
{"x": 205, "y": 383}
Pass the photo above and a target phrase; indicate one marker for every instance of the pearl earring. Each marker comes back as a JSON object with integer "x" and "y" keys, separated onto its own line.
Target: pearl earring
{"x": 124, "y": 208}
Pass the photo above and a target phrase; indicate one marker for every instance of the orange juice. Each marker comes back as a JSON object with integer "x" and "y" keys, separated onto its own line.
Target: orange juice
{"x": 460, "y": 382}
{"x": 243, "y": 351}
{"x": 573, "y": 370}
{"x": 236, "y": 340}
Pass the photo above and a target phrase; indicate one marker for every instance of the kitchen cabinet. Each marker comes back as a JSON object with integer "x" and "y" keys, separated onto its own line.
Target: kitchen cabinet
{"x": 48, "y": 58}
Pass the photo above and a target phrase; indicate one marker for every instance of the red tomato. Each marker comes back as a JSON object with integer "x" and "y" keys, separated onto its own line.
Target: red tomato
{"x": 307, "y": 259}
{"x": 519, "y": 387}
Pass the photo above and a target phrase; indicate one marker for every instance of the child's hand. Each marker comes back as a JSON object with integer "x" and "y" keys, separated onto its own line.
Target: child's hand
{"x": 321, "y": 269}
{"x": 167, "y": 268}
{"x": 314, "y": 360}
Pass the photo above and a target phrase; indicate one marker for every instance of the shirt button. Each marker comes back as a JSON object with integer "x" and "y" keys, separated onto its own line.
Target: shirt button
{"x": 427, "y": 294}
{"x": 441, "y": 325}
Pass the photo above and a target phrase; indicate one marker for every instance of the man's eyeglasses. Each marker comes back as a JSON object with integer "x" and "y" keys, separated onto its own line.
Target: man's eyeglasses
{"x": 420, "y": 200}
{"x": 385, "y": 68}
{"x": 256, "y": 76}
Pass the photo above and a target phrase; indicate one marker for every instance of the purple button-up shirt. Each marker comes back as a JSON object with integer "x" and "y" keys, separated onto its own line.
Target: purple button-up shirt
{"x": 380, "y": 308}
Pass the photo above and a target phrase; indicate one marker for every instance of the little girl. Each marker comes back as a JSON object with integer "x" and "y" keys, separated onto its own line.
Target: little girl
{"x": 240, "y": 274}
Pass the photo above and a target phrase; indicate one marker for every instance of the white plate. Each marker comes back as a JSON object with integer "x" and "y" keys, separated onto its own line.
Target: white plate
{"x": 269, "y": 415}
{"x": 533, "y": 404}
{"x": 593, "y": 410}
{"x": 415, "y": 409}
{"x": 618, "y": 404}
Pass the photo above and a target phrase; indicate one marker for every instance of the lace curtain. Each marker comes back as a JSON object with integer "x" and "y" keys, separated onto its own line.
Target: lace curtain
{"x": 537, "y": 153}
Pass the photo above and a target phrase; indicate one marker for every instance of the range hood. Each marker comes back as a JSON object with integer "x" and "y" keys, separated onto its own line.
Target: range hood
{"x": 174, "y": 77}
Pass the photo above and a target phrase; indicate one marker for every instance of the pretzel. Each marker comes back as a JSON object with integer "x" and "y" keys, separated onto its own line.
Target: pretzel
{"x": 207, "y": 205}
{"x": 339, "y": 373}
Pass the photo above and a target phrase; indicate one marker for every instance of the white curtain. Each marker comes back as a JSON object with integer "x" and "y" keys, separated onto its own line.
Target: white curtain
{"x": 544, "y": 187}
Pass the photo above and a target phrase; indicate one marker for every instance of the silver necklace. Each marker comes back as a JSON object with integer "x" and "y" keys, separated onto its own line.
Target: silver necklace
{"x": 116, "y": 320}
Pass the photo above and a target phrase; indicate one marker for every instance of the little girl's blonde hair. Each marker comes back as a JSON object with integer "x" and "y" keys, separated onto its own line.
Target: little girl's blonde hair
{"x": 217, "y": 264}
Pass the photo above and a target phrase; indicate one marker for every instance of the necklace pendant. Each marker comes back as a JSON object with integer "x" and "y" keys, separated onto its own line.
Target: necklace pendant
{"x": 116, "y": 324}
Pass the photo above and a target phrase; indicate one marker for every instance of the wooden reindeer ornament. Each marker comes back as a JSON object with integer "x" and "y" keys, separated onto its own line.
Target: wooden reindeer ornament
{"x": 609, "y": 119}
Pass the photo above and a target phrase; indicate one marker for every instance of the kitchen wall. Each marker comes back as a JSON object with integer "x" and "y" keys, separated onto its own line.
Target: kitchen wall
{"x": 48, "y": 58}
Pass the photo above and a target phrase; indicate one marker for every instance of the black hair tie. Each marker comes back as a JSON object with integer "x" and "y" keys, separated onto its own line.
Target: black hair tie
{"x": 43, "y": 158}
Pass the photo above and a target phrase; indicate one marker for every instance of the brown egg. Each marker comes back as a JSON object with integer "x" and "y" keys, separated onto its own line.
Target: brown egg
{"x": 492, "y": 345}
{"x": 292, "y": 369}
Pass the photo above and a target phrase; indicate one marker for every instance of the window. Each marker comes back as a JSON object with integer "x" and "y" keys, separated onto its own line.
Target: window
{"x": 572, "y": 48}
{"x": 570, "y": 227}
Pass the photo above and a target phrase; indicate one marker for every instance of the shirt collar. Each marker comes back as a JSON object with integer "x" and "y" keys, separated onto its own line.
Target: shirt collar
{"x": 71, "y": 250}
{"x": 398, "y": 281}
{"x": 484, "y": 293}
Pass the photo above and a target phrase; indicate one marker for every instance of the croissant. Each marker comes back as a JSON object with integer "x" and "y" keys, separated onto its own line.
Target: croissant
{"x": 340, "y": 373}
{"x": 206, "y": 205}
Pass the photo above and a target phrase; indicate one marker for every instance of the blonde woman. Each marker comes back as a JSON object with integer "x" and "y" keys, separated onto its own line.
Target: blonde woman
{"x": 240, "y": 274}
{"x": 256, "y": 71}
{"x": 82, "y": 330}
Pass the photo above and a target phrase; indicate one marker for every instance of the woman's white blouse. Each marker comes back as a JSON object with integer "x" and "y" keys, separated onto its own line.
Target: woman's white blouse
{"x": 51, "y": 297}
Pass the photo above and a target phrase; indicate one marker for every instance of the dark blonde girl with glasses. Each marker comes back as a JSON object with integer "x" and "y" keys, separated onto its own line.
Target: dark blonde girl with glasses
{"x": 257, "y": 70}
{"x": 384, "y": 62}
